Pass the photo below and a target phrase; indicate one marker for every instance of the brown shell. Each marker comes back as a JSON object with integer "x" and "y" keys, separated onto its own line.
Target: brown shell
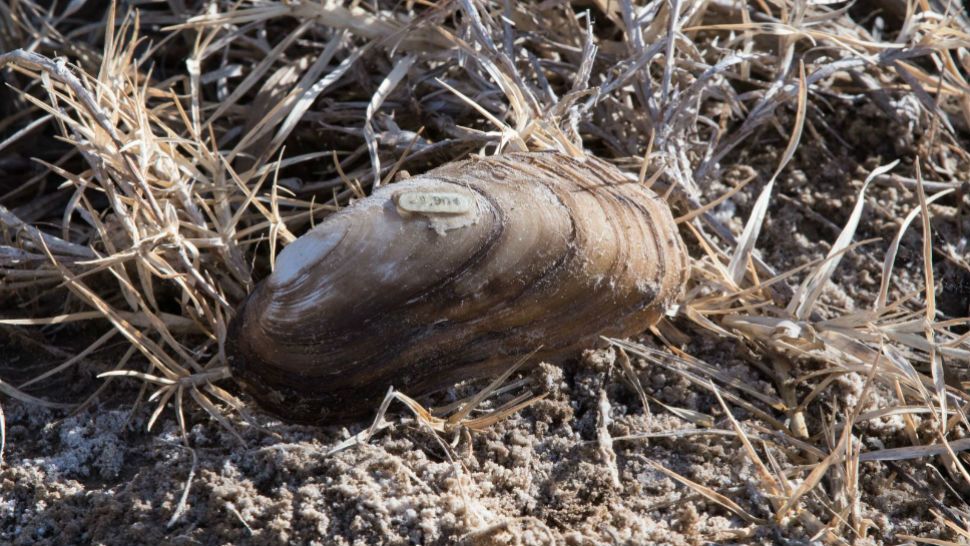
{"x": 453, "y": 275}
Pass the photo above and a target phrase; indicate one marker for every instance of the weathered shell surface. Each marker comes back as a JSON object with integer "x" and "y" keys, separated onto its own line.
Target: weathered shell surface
{"x": 452, "y": 275}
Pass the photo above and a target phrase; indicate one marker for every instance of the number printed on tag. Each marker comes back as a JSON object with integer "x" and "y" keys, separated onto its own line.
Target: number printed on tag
{"x": 434, "y": 202}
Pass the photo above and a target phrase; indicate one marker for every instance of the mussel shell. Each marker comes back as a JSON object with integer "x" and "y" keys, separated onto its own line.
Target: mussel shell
{"x": 453, "y": 275}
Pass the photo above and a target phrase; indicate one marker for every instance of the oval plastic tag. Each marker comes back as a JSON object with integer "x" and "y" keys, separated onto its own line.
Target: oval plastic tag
{"x": 426, "y": 202}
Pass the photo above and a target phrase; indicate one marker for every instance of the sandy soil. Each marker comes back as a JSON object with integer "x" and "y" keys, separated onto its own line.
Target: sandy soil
{"x": 541, "y": 477}
{"x": 547, "y": 475}
{"x": 558, "y": 472}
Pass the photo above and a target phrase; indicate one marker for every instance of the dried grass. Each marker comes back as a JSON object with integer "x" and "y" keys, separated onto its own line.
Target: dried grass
{"x": 178, "y": 163}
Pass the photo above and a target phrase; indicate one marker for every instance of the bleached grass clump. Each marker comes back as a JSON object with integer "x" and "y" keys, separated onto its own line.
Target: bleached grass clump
{"x": 190, "y": 156}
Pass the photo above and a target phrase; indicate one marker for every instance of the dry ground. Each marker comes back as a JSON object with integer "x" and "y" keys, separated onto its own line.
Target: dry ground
{"x": 830, "y": 429}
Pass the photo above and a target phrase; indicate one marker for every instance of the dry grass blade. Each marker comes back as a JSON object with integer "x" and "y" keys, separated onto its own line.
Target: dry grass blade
{"x": 71, "y": 361}
{"x": 936, "y": 361}
{"x": 925, "y": 540}
{"x": 739, "y": 261}
{"x": 477, "y": 399}
{"x": 517, "y": 404}
{"x": 214, "y": 412}
{"x": 12, "y": 392}
{"x": 841, "y": 451}
{"x": 915, "y": 452}
{"x": 805, "y": 297}
{"x": 633, "y": 378}
{"x": 400, "y": 70}
{"x": 258, "y": 72}
{"x": 716, "y": 202}
{"x": 500, "y": 125}
{"x": 183, "y": 499}
{"x": 710, "y": 495}
{"x": 305, "y": 100}
{"x": 768, "y": 481}
{"x": 10, "y": 221}
{"x": 893, "y": 251}
{"x": 694, "y": 368}
{"x": 365, "y": 435}
{"x": 456, "y": 421}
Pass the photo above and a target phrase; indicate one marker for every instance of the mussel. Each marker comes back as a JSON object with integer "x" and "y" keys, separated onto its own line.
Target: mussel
{"x": 454, "y": 275}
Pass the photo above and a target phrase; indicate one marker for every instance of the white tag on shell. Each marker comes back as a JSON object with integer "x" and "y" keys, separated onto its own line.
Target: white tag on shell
{"x": 444, "y": 211}
{"x": 431, "y": 203}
